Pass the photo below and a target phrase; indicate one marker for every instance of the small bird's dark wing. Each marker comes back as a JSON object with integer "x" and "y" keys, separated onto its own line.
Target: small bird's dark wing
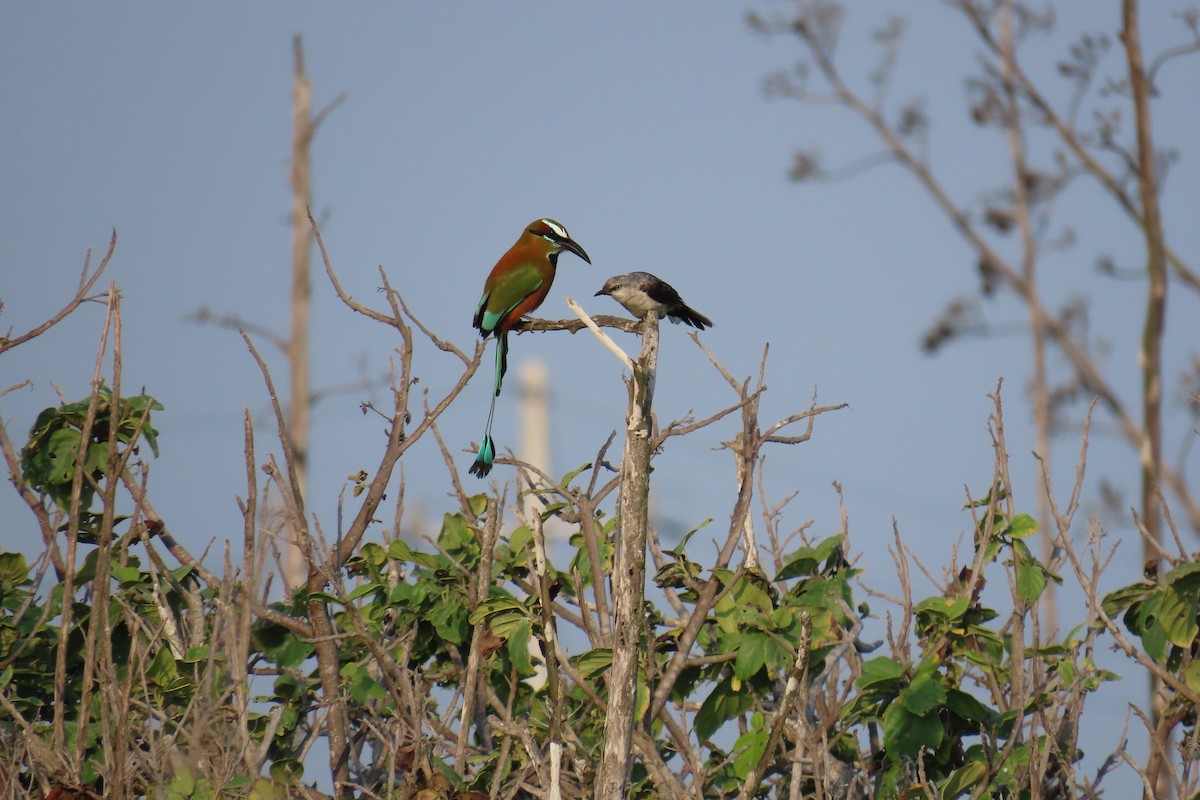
{"x": 662, "y": 292}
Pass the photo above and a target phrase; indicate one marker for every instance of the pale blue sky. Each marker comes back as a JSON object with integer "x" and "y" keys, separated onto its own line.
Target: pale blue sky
{"x": 643, "y": 128}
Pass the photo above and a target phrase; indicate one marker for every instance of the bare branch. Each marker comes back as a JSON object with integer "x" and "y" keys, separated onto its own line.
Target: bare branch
{"x": 87, "y": 282}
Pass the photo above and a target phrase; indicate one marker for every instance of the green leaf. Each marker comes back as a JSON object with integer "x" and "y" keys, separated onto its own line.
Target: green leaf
{"x": 1185, "y": 578}
{"x": 991, "y": 551}
{"x": 923, "y": 694}
{"x": 1191, "y": 676}
{"x": 136, "y": 417}
{"x": 1141, "y": 614}
{"x": 265, "y": 789}
{"x": 285, "y": 769}
{"x": 519, "y": 538}
{"x": 550, "y": 510}
{"x": 1031, "y": 582}
{"x": 449, "y": 619}
{"x": 1119, "y": 599}
{"x": 477, "y": 503}
{"x": 373, "y": 554}
{"x": 747, "y": 599}
{"x": 750, "y": 746}
{"x": 1177, "y": 616}
{"x": 363, "y": 688}
{"x": 641, "y": 697}
{"x": 363, "y": 590}
{"x": 57, "y": 456}
{"x": 575, "y": 473}
{"x": 456, "y": 535}
{"x": 950, "y": 608}
{"x": 593, "y": 661}
{"x": 678, "y": 549}
{"x": 801, "y": 566}
{"x": 87, "y": 573}
{"x": 13, "y": 570}
{"x": 963, "y": 780}
{"x": 966, "y": 707}
{"x": 1022, "y": 526}
{"x": 286, "y": 651}
{"x": 96, "y": 458}
{"x": 751, "y": 654}
{"x": 183, "y": 784}
{"x": 407, "y": 597}
{"x": 1154, "y": 639}
{"x": 504, "y": 623}
{"x": 1024, "y": 554}
{"x": 494, "y": 606}
{"x": 196, "y": 655}
{"x": 181, "y": 572}
{"x": 400, "y": 551}
{"x": 879, "y": 670}
{"x": 127, "y": 574}
{"x": 518, "y": 648}
{"x": 721, "y": 704}
{"x": 906, "y": 734}
{"x": 807, "y": 561}
{"x": 162, "y": 669}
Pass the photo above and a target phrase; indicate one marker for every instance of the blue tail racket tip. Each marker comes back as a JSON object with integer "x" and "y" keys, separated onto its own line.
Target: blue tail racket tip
{"x": 484, "y": 458}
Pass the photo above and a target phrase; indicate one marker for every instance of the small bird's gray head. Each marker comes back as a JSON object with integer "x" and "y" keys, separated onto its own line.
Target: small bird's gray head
{"x": 629, "y": 282}
{"x": 611, "y": 285}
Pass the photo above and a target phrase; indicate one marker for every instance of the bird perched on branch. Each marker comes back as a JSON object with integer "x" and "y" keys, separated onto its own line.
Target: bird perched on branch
{"x": 640, "y": 291}
{"x": 516, "y": 286}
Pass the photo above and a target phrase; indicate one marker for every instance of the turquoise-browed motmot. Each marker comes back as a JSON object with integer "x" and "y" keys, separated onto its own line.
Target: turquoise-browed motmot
{"x": 516, "y": 286}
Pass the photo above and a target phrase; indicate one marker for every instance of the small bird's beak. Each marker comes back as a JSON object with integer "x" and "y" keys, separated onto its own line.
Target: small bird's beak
{"x": 573, "y": 246}
{"x": 601, "y": 292}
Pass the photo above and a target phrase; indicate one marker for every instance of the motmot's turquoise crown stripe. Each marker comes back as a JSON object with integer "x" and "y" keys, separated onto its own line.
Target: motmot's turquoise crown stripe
{"x": 516, "y": 286}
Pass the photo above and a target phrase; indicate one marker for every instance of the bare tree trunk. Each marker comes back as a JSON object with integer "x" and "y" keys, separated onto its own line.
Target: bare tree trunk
{"x": 1014, "y": 126}
{"x": 1150, "y": 357}
{"x": 300, "y": 179}
{"x": 300, "y": 567}
{"x": 1156, "y": 304}
{"x": 629, "y": 572}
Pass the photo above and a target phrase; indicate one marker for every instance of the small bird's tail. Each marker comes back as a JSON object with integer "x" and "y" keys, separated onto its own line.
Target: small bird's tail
{"x": 690, "y": 316}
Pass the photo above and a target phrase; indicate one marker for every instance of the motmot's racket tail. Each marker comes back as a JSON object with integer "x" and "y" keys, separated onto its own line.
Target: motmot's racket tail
{"x": 501, "y": 361}
{"x": 486, "y": 455}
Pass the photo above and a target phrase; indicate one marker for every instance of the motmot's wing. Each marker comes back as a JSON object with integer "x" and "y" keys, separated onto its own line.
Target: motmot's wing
{"x": 504, "y": 291}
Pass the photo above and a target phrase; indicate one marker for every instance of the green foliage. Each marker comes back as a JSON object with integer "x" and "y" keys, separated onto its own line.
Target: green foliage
{"x": 1164, "y": 613}
{"x": 939, "y": 721}
{"x": 136, "y": 650}
{"x": 941, "y": 709}
{"x": 55, "y": 450}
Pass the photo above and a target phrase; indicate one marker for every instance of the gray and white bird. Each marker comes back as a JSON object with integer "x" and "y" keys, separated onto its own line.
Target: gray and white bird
{"x": 640, "y": 291}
